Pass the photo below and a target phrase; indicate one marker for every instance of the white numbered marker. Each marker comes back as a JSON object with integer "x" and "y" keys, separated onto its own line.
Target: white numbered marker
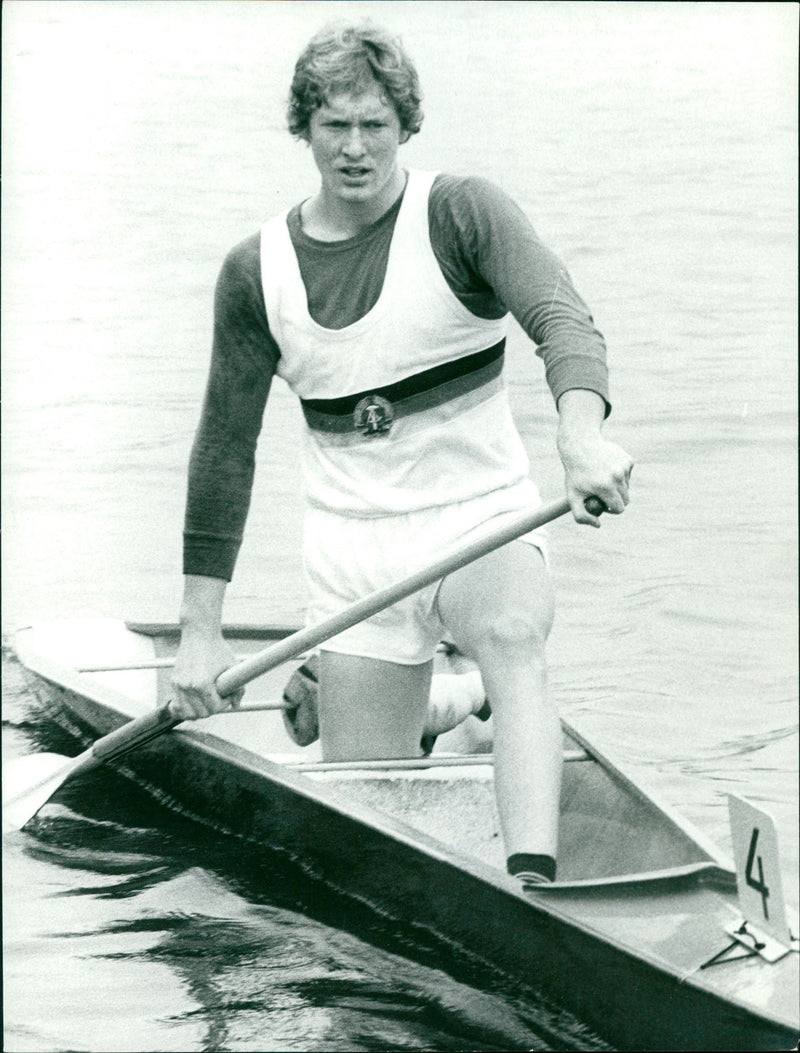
{"x": 758, "y": 875}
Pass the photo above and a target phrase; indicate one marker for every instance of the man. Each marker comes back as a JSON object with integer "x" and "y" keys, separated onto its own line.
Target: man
{"x": 382, "y": 301}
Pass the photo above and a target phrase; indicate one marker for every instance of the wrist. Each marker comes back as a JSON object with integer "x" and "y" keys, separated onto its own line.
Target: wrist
{"x": 201, "y": 610}
{"x": 581, "y": 407}
{"x": 196, "y": 627}
{"x": 580, "y": 419}
{"x": 578, "y": 432}
{"x": 577, "y": 441}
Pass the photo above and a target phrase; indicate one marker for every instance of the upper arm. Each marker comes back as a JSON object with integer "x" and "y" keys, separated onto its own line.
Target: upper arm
{"x": 244, "y": 354}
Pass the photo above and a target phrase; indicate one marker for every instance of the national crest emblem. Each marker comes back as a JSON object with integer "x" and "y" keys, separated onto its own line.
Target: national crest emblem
{"x": 373, "y": 415}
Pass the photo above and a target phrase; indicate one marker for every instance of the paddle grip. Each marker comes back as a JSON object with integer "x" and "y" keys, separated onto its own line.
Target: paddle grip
{"x": 136, "y": 733}
{"x": 594, "y": 506}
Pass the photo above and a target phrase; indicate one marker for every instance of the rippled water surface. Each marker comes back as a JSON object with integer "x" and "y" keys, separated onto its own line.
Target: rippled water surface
{"x": 654, "y": 148}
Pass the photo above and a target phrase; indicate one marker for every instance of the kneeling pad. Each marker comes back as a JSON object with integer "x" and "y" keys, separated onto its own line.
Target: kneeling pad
{"x": 300, "y": 694}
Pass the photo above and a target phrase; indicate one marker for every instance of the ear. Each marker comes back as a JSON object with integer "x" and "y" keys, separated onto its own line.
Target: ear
{"x": 404, "y": 136}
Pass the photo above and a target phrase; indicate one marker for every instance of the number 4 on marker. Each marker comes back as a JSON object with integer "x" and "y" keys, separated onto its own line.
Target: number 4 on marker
{"x": 757, "y": 883}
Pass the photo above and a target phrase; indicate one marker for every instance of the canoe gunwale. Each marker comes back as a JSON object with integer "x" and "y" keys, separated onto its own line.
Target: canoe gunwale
{"x": 242, "y": 630}
{"x": 709, "y": 874}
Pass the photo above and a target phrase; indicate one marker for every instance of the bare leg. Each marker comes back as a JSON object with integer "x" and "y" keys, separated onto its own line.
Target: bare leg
{"x": 371, "y": 709}
{"x": 499, "y": 611}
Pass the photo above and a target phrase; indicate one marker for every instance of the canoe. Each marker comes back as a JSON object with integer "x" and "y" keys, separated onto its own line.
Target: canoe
{"x": 643, "y": 936}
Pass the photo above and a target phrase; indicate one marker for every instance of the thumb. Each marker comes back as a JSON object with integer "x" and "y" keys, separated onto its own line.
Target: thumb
{"x": 234, "y": 700}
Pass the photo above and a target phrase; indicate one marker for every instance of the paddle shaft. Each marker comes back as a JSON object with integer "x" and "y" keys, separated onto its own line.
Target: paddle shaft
{"x": 144, "y": 729}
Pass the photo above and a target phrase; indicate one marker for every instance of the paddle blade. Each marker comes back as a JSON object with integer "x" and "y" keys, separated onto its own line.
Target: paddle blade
{"x": 29, "y": 783}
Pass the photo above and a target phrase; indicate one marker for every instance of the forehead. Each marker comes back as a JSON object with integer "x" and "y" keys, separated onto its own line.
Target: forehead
{"x": 369, "y": 104}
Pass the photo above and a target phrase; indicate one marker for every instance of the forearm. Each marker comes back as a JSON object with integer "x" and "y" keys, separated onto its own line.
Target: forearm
{"x": 555, "y": 317}
{"x": 218, "y": 499}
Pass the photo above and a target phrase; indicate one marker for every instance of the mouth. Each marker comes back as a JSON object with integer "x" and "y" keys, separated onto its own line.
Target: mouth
{"x": 354, "y": 172}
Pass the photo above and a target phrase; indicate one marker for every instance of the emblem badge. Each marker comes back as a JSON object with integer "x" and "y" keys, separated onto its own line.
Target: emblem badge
{"x": 373, "y": 415}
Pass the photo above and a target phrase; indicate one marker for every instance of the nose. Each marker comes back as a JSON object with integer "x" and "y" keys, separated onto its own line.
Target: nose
{"x": 354, "y": 144}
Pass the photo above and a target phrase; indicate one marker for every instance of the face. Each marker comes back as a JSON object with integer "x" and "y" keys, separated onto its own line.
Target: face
{"x": 354, "y": 139}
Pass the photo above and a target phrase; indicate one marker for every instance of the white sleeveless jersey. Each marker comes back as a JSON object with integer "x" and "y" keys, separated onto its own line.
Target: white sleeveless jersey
{"x": 406, "y": 408}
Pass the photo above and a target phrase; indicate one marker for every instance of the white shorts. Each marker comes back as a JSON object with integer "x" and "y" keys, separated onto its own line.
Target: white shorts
{"x": 347, "y": 558}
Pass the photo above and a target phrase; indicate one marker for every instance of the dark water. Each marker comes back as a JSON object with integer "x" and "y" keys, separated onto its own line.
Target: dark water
{"x": 654, "y": 147}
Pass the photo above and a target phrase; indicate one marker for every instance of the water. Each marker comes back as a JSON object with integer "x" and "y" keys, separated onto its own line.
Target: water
{"x": 654, "y": 147}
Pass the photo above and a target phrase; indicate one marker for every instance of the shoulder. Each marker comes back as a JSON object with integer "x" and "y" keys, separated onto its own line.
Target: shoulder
{"x": 240, "y": 274}
{"x": 457, "y": 193}
{"x": 472, "y": 208}
{"x": 244, "y": 258}
{"x": 239, "y": 297}
{"x": 474, "y": 214}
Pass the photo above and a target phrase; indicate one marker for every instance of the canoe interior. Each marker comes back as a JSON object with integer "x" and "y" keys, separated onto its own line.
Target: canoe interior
{"x": 608, "y": 827}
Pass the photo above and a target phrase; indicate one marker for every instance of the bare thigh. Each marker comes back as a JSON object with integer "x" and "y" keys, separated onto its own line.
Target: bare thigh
{"x": 370, "y": 708}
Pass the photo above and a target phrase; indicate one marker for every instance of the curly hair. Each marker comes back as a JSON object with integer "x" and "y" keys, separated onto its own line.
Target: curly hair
{"x": 350, "y": 57}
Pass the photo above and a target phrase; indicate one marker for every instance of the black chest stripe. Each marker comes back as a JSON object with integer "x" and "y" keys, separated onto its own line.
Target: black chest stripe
{"x": 431, "y": 387}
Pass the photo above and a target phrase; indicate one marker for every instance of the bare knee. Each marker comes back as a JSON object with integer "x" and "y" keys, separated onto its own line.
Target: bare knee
{"x": 509, "y": 633}
{"x": 500, "y": 606}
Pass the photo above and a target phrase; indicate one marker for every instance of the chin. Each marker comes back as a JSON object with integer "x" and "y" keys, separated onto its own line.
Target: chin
{"x": 357, "y": 193}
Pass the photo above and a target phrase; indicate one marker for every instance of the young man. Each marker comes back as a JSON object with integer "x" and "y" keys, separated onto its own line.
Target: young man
{"x": 382, "y": 301}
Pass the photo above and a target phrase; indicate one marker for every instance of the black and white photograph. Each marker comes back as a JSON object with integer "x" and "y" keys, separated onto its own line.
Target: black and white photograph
{"x": 327, "y": 323}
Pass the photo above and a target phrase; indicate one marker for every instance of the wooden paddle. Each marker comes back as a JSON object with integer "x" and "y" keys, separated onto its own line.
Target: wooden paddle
{"x": 29, "y": 782}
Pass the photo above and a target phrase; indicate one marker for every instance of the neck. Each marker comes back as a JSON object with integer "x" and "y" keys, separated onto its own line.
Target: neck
{"x": 329, "y": 218}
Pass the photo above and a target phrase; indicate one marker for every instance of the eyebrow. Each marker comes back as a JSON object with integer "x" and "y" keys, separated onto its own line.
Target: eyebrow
{"x": 363, "y": 115}
{"x": 342, "y": 119}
